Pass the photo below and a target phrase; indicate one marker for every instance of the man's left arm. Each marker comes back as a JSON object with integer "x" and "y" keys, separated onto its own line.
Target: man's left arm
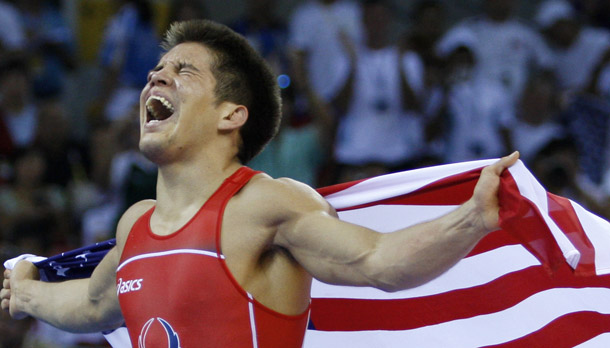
{"x": 339, "y": 252}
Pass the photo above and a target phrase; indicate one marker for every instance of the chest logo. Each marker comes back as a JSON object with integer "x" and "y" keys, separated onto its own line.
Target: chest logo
{"x": 157, "y": 330}
{"x": 124, "y": 286}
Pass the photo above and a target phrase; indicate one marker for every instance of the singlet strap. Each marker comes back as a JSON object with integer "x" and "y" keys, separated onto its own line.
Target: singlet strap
{"x": 226, "y": 191}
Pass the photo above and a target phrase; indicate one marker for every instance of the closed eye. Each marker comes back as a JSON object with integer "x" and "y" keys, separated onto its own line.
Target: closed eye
{"x": 186, "y": 66}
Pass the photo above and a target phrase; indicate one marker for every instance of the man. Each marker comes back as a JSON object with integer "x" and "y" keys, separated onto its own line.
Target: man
{"x": 379, "y": 129}
{"x": 507, "y": 48}
{"x": 225, "y": 255}
{"x": 317, "y": 30}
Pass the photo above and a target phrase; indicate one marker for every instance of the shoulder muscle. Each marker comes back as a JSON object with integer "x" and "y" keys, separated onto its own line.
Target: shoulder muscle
{"x": 282, "y": 199}
{"x": 129, "y": 218}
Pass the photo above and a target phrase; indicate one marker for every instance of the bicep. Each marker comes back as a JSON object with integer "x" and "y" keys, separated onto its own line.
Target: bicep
{"x": 101, "y": 292}
{"x": 331, "y": 250}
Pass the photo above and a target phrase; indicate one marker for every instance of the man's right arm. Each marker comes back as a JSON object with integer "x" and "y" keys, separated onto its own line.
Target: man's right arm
{"x": 82, "y": 305}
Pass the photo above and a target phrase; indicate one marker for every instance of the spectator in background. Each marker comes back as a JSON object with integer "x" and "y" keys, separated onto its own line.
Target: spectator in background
{"x": 33, "y": 213}
{"x": 66, "y": 159}
{"x": 424, "y": 72}
{"x": 582, "y": 56}
{"x": 537, "y": 117}
{"x": 379, "y": 128}
{"x": 582, "y": 52}
{"x": 596, "y": 13}
{"x": 506, "y": 49}
{"x": 427, "y": 26}
{"x": 557, "y": 167}
{"x": 265, "y": 32}
{"x": 479, "y": 110}
{"x": 51, "y": 46}
{"x": 315, "y": 31}
{"x": 12, "y": 35}
{"x": 182, "y": 10}
{"x": 301, "y": 147}
{"x": 18, "y": 109}
{"x": 130, "y": 49}
{"x": 131, "y": 177}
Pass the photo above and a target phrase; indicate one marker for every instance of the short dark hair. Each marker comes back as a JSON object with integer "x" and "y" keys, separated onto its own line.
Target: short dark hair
{"x": 242, "y": 77}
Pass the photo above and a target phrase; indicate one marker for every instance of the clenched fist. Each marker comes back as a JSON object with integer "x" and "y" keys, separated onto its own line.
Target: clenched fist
{"x": 13, "y": 292}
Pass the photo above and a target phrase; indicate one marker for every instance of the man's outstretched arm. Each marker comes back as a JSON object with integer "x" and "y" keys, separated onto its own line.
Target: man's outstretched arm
{"x": 81, "y": 305}
{"x": 338, "y": 252}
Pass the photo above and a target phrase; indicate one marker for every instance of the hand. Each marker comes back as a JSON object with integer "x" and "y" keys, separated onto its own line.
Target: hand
{"x": 13, "y": 279}
{"x": 485, "y": 196}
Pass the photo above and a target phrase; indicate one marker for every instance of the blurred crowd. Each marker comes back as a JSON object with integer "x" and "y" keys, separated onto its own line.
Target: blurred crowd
{"x": 368, "y": 87}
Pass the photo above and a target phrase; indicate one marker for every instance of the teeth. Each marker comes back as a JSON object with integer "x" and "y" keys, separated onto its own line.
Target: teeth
{"x": 164, "y": 101}
{"x": 150, "y": 107}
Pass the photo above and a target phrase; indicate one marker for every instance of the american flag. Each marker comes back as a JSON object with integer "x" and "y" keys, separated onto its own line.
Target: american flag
{"x": 540, "y": 281}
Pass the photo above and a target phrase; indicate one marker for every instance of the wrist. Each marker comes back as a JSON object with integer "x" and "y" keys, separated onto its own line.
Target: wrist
{"x": 480, "y": 220}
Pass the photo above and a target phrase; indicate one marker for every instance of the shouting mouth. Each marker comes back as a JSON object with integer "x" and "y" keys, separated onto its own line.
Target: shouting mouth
{"x": 158, "y": 109}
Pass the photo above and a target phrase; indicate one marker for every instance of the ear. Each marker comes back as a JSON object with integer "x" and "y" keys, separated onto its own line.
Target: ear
{"x": 234, "y": 118}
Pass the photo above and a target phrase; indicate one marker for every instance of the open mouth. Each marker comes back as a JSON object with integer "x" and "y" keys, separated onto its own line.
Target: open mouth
{"x": 158, "y": 109}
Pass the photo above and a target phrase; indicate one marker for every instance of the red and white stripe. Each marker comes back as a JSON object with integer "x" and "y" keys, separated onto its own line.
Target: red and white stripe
{"x": 539, "y": 281}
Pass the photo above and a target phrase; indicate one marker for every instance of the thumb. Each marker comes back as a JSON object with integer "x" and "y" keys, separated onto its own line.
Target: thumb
{"x": 505, "y": 162}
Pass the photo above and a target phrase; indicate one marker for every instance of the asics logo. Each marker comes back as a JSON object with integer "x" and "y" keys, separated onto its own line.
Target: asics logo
{"x": 128, "y": 285}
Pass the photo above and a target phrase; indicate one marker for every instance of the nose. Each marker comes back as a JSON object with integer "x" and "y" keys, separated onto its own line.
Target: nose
{"x": 159, "y": 78}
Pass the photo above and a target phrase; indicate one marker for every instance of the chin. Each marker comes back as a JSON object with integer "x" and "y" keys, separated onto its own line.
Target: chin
{"x": 155, "y": 153}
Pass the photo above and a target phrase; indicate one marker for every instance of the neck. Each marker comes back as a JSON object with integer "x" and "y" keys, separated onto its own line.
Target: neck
{"x": 181, "y": 186}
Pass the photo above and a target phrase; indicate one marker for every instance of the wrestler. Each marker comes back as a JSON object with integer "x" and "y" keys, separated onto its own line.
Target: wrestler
{"x": 225, "y": 256}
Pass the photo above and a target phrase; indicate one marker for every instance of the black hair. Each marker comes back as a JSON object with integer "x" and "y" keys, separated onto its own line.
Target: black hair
{"x": 242, "y": 77}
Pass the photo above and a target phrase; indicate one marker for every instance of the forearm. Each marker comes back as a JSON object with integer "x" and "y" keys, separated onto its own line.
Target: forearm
{"x": 418, "y": 254}
{"x": 339, "y": 252}
{"x": 66, "y": 305}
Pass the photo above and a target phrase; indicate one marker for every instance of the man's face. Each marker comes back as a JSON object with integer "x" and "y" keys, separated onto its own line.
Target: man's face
{"x": 178, "y": 112}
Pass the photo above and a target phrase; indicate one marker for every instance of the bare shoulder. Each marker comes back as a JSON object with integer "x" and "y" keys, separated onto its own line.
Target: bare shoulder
{"x": 128, "y": 219}
{"x": 281, "y": 199}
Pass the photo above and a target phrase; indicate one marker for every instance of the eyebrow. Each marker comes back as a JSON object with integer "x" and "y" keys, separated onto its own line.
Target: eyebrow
{"x": 180, "y": 66}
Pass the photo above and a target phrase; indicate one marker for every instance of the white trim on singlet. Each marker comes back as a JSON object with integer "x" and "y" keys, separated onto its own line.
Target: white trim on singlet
{"x": 252, "y": 321}
{"x": 170, "y": 252}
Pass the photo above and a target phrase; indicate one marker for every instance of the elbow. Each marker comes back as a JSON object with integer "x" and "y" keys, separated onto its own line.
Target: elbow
{"x": 381, "y": 277}
{"x": 390, "y": 288}
{"x": 395, "y": 285}
{"x": 101, "y": 321}
{"x": 102, "y": 314}
{"x": 392, "y": 278}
